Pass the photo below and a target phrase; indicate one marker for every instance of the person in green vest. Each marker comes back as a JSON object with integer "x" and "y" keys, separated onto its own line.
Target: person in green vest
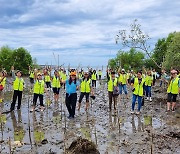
{"x": 173, "y": 90}
{"x": 112, "y": 82}
{"x": 94, "y": 78}
{"x": 38, "y": 90}
{"x": 18, "y": 86}
{"x": 56, "y": 84}
{"x": 148, "y": 84}
{"x": 2, "y": 84}
{"x": 47, "y": 78}
{"x": 100, "y": 74}
{"x": 138, "y": 84}
{"x": 85, "y": 88}
{"x": 31, "y": 75}
{"x": 122, "y": 81}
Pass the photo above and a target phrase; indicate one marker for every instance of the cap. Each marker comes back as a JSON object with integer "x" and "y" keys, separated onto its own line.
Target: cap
{"x": 73, "y": 73}
{"x": 123, "y": 70}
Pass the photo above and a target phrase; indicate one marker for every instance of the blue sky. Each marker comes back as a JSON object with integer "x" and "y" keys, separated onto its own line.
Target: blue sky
{"x": 81, "y": 31}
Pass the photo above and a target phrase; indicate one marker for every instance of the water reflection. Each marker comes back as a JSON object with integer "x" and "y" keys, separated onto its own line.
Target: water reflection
{"x": 19, "y": 131}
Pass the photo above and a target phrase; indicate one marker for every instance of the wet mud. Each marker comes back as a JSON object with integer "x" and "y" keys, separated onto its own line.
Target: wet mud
{"x": 117, "y": 132}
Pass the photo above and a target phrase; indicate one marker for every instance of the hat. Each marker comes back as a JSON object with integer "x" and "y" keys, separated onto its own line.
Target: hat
{"x": 123, "y": 70}
{"x": 73, "y": 73}
{"x": 39, "y": 74}
{"x": 173, "y": 71}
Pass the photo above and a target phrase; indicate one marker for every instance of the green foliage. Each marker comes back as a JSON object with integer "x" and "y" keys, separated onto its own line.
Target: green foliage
{"x": 19, "y": 58}
{"x": 128, "y": 60}
{"x": 172, "y": 56}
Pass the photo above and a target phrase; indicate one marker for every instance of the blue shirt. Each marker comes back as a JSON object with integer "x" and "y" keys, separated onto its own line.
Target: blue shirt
{"x": 70, "y": 89}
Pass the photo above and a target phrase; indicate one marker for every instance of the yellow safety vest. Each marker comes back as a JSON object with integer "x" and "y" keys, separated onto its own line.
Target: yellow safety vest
{"x": 93, "y": 77}
{"x": 47, "y": 78}
{"x": 63, "y": 76}
{"x": 128, "y": 75}
{"x": 56, "y": 82}
{"x": 31, "y": 75}
{"x": 148, "y": 80}
{"x": 122, "y": 78}
{"x": 18, "y": 84}
{"x": 3, "y": 82}
{"x": 174, "y": 86}
{"x": 138, "y": 87}
{"x": 39, "y": 87}
{"x": 100, "y": 73}
{"x": 111, "y": 84}
{"x": 85, "y": 86}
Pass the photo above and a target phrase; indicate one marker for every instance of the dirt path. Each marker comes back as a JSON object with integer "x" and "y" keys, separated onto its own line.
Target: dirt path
{"x": 154, "y": 131}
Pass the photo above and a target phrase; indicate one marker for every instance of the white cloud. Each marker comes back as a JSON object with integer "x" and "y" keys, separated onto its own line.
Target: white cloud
{"x": 76, "y": 29}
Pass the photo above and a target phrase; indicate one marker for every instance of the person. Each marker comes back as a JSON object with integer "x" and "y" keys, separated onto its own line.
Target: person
{"x": 163, "y": 77}
{"x": 38, "y": 90}
{"x": 47, "y": 78}
{"x": 85, "y": 88}
{"x": 56, "y": 84}
{"x": 112, "y": 82}
{"x": 137, "y": 84}
{"x": 148, "y": 85}
{"x": 18, "y": 86}
{"x": 2, "y": 84}
{"x": 173, "y": 90}
{"x": 72, "y": 85}
{"x": 122, "y": 82}
{"x": 99, "y": 74}
{"x": 31, "y": 75}
{"x": 94, "y": 78}
{"x": 154, "y": 74}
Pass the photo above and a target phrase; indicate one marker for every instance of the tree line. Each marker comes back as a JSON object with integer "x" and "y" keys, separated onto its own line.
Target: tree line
{"x": 166, "y": 54}
{"x": 20, "y": 58}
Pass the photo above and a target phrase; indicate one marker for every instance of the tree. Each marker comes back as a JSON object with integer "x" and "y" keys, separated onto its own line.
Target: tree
{"x": 22, "y": 59}
{"x": 172, "y": 56}
{"x": 6, "y": 58}
{"x": 135, "y": 38}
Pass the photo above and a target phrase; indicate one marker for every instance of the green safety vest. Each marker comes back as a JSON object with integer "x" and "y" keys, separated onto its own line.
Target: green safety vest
{"x": 138, "y": 87}
{"x": 148, "y": 80}
{"x": 3, "y": 82}
{"x": 100, "y": 73}
{"x": 122, "y": 78}
{"x": 18, "y": 84}
{"x": 111, "y": 84}
{"x": 85, "y": 86}
{"x": 47, "y": 78}
{"x": 31, "y": 75}
{"x": 173, "y": 86}
{"x": 93, "y": 77}
{"x": 56, "y": 82}
{"x": 39, "y": 87}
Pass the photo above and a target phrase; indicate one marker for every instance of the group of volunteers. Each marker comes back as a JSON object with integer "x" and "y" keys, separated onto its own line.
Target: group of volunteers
{"x": 43, "y": 80}
{"x": 141, "y": 84}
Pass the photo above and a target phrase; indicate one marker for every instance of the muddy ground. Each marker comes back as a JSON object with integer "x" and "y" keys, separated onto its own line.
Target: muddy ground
{"x": 154, "y": 131}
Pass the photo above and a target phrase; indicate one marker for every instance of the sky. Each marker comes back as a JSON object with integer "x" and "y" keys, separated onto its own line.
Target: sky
{"x": 81, "y": 32}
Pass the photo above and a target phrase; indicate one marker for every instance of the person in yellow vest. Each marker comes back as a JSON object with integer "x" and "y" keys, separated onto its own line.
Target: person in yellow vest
{"x": 56, "y": 84}
{"x": 100, "y": 74}
{"x": 148, "y": 85}
{"x": 173, "y": 90}
{"x": 31, "y": 75}
{"x": 138, "y": 84}
{"x": 18, "y": 86}
{"x": 112, "y": 83}
{"x": 63, "y": 77}
{"x": 85, "y": 88}
{"x": 2, "y": 84}
{"x": 94, "y": 78}
{"x": 47, "y": 79}
{"x": 122, "y": 81}
{"x": 38, "y": 90}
